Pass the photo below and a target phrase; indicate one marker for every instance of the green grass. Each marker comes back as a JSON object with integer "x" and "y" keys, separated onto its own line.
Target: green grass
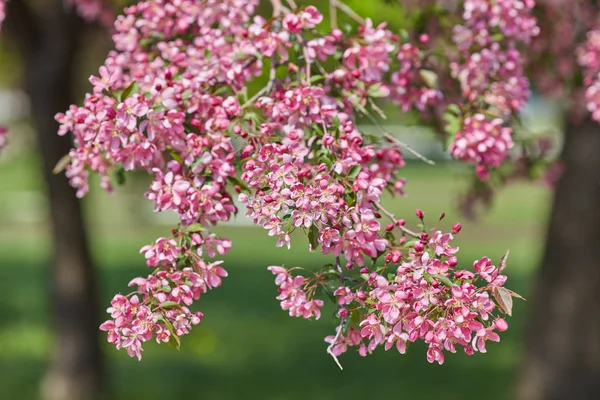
{"x": 246, "y": 347}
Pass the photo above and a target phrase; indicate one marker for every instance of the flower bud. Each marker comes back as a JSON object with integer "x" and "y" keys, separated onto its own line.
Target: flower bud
{"x": 364, "y": 270}
{"x": 419, "y": 247}
{"x": 456, "y": 228}
{"x": 389, "y": 227}
{"x": 361, "y": 295}
{"x": 388, "y": 258}
{"x": 424, "y": 235}
{"x": 442, "y": 215}
{"x": 419, "y": 214}
{"x": 342, "y": 312}
{"x": 501, "y": 324}
{"x": 401, "y": 222}
{"x": 452, "y": 261}
{"x": 349, "y": 266}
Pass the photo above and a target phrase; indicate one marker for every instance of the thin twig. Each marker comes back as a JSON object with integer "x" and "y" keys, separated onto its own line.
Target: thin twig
{"x": 268, "y": 87}
{"x": 338, "y": 266}
{"x": 348, "y": 11}
{"x": 392, "y": 138}
{"x": 391, "y": 216}
{"x": 276, "y": 8}
{"x": 333, "y": 14}
{"x": 292, "y": 4}
{"x": 415, "y": 153}
{"x": 335, "y": 339}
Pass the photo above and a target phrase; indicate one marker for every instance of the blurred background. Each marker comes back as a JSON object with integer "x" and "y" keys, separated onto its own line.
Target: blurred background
{"x": 246, "y": 346}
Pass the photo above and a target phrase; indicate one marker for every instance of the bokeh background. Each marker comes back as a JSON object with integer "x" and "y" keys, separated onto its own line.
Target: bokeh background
{"x": 246, "y": 347}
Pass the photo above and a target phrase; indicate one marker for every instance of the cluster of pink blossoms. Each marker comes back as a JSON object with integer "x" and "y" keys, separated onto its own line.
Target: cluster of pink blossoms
{"x": 491, "y": 75}
{"x": 408, "y": 88}
{"x": 589, "y": 59}
{"x": 483, "y": 141}
{"x": 172, "y": 100}
{"x": 425, "y": 298}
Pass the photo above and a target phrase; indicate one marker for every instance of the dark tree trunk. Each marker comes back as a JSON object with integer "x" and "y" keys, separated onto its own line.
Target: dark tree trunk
{"x": 49, "y": 48}
{"x": 562, "y": 347}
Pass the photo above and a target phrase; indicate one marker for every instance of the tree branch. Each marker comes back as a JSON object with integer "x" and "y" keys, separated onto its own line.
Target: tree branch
{"x": 23, "y": 27}
{"x": 391, "y": 216}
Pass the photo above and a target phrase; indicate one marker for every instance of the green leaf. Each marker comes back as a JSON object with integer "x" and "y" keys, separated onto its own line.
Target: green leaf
{"x": 174, "y": 340}
{"x": 120, "y": 175}
{"x": 443, "y": 279}
{"x": 375, "y": 91}
{"x": 127, "y": 92}
{"x": 503, "y": 261}
{"x": 194, "y": 228}
{"x": 454, "y": 108}
{"x": 167, "y": 305}
{"x": 175, "y": 156}
{"x": 430, "y": 78}
{"x": 237, "y": 181}
{"x": 316, "y": 78}
{"x": 313, "y": 237}
{"x": 354, "y": 171}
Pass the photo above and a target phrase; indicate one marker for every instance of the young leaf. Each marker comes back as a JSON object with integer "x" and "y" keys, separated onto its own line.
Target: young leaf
{"x": 194, "y": 228}
{"x": 503, "y": 261}
{"x": 354, "y": 171}
{"x": 313, "y": 237}
{"x": 127, "y": 92}
{"x": 443, "y": 279}
{"x": 504, "y": 299}
{"x": 61, "y": 164}
{"x": 430, "y": 78}
{"x": 237, "y": 181}
{"x": 167, "y": 305}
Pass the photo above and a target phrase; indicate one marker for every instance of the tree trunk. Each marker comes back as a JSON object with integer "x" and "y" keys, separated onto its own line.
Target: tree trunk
{"x": 49, "y": 48}
{"x": 562, "y": 354}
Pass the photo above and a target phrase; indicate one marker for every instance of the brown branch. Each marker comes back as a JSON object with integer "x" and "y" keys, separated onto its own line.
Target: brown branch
{"x": 23, "y": 27}
{"x": 333, "y": 14}
{"x": 391, "y": 216}
{"x": 276, "y": 8}
{"x": 348, "y": 11}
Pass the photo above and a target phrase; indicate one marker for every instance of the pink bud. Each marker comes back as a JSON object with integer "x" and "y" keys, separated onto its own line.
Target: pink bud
{"x": 361, "y": 295}
{"x": 388, "y": 258}
{"x": 419, "y": 247}
{"x": 456, "y": 228}
{"x": 424, "y": 235}
{"x": 452, "y": 261}
{"x": 424, "y": 38}
{"x": 389, "y": 227}
{"x": 501, "y": 324}
{"x": 442, "y": 215}
{"x": 343, "y": 312}
{"x": 401, "y": 222}
{"x": 364, "y": 270}
{"x": 419, "y": 214}
{"x": 349, "y": 266}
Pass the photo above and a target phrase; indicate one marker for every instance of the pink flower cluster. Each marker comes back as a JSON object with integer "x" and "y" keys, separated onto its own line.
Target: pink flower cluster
{"x": 426, "y": 299}
{"x": 408, "y": 89}
{"x": 180, "y": 276}
{"x": 491, "y": 73}
{"x": 293, "y": 294}
{"x": 589, "y": 59}
{"x": 482, "y": 142}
